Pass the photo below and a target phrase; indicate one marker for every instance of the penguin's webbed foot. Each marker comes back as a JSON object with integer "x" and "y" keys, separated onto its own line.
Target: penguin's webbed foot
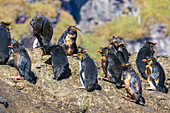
{"x": 150, "y": 88}
{"x": 81, "y": 87}
{"x": 17, "y": 78}
{"x": 129, "y": 99}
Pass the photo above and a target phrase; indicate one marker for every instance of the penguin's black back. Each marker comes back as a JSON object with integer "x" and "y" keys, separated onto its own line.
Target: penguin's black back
{"x": 5, "y": 41}
{"x": 59, "y": 56}
{"x": 90, "y": 71}
{"x": 60, "y": 62}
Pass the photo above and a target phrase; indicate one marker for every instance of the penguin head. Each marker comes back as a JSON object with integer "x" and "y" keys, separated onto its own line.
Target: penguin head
{"x": 72, "y": 31}
{"x": 81, "y": 55}
{"x": 141, "y": 101}
{"x": 150, "y": 44}
{"x": 34, "y": 21}
{"x": 104, "y": 51}
{"x": 115, "y": 41}
{"x": 126, "y": 66}
{"x": 80, "y": 49}
{"x": 16, "y": 47}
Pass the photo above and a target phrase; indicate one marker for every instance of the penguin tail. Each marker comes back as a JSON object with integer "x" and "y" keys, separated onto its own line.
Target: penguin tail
{"x": 141, "y": 101}
{"x": 97, "y": 87}
{"x": 90, "y": 88}
{"x": 144, "y": 76}
{"x": 4, "y": 102}
{"x": 163, "y": 89}
{"x": 119, "y": 84}
{"x": 62, "y": 72}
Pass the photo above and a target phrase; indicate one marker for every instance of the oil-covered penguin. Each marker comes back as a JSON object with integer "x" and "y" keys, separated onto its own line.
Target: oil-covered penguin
{"x": 88, "y": 71}
{"x": 155, "y": 75}
{"x": 144, "y": 52}
{"x": 68, "y": 40}
{"x": 132, "y": 84}
{"x": 22, "y": 63}
{"x": 59, "y": 62}
{"x": 5, "y": 41}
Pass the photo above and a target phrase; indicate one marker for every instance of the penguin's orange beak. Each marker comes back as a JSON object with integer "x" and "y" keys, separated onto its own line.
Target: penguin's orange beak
{"x": 116, "y": 45}
{"x": 85, "y": 50}
{"x": 10, "y": 46}
{"x": 75, "y": 29}
{"x": 74, "y": 55}
{"x": 155, "y": 43}
{"x": 99, "y": 51}
{"x": 123, "y": 65}
{"x": 144, "y": 60}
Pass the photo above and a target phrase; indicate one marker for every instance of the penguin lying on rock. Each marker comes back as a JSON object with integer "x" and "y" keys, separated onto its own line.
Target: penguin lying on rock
{"x": 68, "y": 40}
{"x": 132, "y": 84}
{"x": 111, "y": 66}
{"x": 5, "y": 41}
{"x": 59, "y": 62}
{"x": 155, "y": 75}
{"x": 22, "y": 62}
{"x": 88, "y": 71}
{"x": 145, "y": 51}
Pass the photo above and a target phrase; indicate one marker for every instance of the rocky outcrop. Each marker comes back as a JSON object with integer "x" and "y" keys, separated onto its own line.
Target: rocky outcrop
{"x": 157, "y": 34}
{"x": 91, "y": 13}
{"x": 50, "y": 96}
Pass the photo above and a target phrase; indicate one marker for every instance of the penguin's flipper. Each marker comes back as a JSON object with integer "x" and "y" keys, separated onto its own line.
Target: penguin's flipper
{"x": 134, "y": 85}
{"x": 22, "y": 65}
{"x": 155, "y": 73}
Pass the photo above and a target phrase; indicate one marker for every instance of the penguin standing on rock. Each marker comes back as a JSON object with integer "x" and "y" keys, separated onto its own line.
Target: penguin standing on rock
{"x": 59, "y": 62}
{"x": 155, "y": 75}
{"x": 68, "y": 40}
{"x": 43, "y": 30}
{"x": 145, "y": 51}
{"x": 132, "y": 84}
{"x": 22, "y": 62}
{"x": 88, "y": 72}
{"x": 5, "y": 41}
{"x": 111, "y": 66}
